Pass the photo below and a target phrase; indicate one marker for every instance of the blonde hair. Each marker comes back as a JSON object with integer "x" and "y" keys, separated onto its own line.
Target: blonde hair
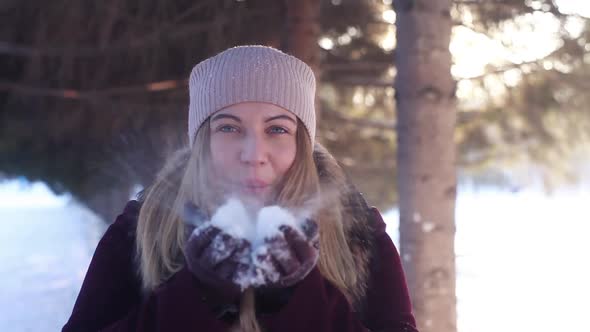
{"x": 161, "y": 234}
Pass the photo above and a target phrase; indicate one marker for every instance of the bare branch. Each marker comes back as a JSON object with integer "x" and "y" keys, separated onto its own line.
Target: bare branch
{"x": 198, "y": 6}
{"x": 357, "y": 65}
{"x": 471, "y": 27}
{"x": 363, "y": 81}
{"x": 94, "y": 94}
{"x": 485, "y": 2}
{"x": 361, "y": 122}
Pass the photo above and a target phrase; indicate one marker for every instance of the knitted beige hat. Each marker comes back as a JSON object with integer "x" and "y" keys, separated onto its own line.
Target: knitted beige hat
{"x": 251, "y": 74}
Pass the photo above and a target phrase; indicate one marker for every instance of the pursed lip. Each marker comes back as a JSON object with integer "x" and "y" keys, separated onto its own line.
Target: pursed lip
{"x": 254, "y": 185}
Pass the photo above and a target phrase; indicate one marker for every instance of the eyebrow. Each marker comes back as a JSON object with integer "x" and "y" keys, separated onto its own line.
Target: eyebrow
{"x": 226, "y": 116}
{"x": 237, "y": 119}
{"x": 286, "y": 117}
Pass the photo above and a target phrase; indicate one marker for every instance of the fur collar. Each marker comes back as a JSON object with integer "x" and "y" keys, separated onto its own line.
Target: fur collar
{"x": 357, "y": 220}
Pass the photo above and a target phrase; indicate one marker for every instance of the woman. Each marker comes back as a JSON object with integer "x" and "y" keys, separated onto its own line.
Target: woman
{"x": 180, "y": 259}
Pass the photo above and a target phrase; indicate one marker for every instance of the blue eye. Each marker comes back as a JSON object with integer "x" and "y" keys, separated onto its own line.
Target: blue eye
{"x": 277, "y": 130}
{"x": 227, "y": 129}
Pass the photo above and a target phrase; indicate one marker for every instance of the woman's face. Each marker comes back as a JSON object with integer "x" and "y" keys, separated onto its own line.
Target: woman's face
{"x": 252, "y": 146}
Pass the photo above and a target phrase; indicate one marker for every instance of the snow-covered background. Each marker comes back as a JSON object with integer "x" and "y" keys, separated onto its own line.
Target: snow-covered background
{"x": 522, "y": 259}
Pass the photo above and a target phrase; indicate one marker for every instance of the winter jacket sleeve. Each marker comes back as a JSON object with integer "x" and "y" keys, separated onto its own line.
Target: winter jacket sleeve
{"x": 389, "y": 307}
{"x": 110, "y": 298}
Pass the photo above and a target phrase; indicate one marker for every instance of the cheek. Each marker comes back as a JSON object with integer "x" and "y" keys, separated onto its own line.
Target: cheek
{"x": 221, "y": 153}
{"x": 284, "y": 157}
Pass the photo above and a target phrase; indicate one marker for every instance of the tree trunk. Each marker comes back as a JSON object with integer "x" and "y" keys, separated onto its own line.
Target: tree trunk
{"x": 426, "y": 115}
{"x": 302, "y": 32}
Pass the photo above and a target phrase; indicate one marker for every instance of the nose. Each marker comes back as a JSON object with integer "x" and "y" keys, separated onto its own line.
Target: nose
{"x": 253, "y": 151}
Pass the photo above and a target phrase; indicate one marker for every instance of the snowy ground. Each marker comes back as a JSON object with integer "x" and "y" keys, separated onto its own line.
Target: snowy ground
{"x": 521, "y": 260}
{"x": 44, "y": 253}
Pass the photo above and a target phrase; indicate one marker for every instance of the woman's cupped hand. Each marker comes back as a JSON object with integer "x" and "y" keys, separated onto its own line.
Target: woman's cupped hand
{"x": 235, "y": 250}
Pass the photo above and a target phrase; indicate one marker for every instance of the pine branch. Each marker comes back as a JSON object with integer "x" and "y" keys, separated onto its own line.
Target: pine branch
{"x": 505, "y": 68}
{"x": 553, "y": 8}
{"x": 170, "y": 31}
{"x": 93, "y": 51}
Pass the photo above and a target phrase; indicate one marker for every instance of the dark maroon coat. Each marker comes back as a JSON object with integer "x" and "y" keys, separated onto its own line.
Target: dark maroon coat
{"x": 111, "y": 300}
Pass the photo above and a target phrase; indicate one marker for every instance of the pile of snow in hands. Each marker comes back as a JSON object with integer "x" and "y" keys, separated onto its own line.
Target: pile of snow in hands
{"x": 234, "y": 219}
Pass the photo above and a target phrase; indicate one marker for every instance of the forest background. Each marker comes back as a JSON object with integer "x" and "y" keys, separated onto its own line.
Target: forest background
{"x": 93, "y": 100}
